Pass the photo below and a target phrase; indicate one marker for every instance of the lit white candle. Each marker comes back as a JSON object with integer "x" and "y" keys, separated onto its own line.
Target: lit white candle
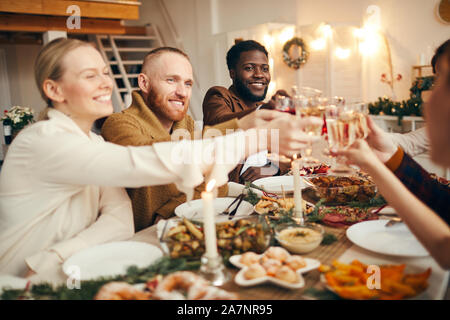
{"x": 297, "y": 188}
{"x": 209, "y": 225}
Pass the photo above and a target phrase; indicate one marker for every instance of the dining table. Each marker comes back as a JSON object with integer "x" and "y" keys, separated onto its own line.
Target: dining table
{"x": 342, "y": 250}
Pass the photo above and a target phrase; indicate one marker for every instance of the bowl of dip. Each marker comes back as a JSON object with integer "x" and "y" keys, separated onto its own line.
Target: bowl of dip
{"x": 299, "y": 239}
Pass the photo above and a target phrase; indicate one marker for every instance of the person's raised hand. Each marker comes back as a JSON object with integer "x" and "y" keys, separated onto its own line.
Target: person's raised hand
{"x": 272, "y": 102}
{"x": 380, "y": 142}
{"x": 258, "y": 118}
{"x": 360, "y": 154}
{"x": 286, "y": 134}
{"x": 254, "y": 173}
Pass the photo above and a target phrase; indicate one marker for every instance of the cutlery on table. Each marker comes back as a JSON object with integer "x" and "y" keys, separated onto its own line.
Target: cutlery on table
{"x": 232, "y": 213}
{"x": 379, "y": 209}
{"x": 227, "y": 210}
{"x": 393, "y": 221}
{"x": 164, "y": 230}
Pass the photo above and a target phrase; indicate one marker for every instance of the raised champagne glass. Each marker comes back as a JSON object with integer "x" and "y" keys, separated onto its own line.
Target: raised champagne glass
{"x": 307, "y": 102}
{"x": 342, "y": 130}
{"x": 361, "y": 113}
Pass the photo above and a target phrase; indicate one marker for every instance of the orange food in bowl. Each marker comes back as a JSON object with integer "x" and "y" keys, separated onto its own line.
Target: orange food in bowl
{"x": 351, "y": 281}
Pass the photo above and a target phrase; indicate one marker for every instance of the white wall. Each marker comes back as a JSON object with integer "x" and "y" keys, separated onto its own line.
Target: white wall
{"x": 20, "y": 67}
{"x": 241, "y": 14}
{"x": 410, "y": 25}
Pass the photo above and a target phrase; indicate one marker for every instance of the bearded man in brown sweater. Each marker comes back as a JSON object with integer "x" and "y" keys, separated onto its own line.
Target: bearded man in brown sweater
{"x": 156, "y": 112}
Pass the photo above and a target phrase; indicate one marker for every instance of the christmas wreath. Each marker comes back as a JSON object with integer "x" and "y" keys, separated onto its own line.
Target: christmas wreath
{"x": 290, "y": 61}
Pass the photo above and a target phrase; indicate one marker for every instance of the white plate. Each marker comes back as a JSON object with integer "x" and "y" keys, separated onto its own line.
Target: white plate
{"x": 11, "y": 282}
{"x": 240, "y": 279}
{"x": 111, "y": 259}
{"x": 193, "y": 210}
{"x": 388, "y": 211}
{"x": 396, "y": 240}
{"x": 273, "y": 184}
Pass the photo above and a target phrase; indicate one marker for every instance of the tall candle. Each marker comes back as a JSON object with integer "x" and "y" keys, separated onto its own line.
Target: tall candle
{"x": 297, "y": 188}
{"x": 209, "y": 225}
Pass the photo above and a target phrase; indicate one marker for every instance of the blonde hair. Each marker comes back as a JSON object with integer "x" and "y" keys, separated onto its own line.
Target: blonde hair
{"x": 49, "y": 65}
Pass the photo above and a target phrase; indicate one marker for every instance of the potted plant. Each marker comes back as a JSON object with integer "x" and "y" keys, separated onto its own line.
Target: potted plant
{"x": 17, "y": 118}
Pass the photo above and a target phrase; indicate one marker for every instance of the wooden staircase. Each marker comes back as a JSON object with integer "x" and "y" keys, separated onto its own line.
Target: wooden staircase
{"x": 124, "y": 55}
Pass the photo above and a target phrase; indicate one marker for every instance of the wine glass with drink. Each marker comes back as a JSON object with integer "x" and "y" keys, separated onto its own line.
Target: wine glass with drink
{"x": 308, "y": 103}
{"x": 345, "y": 124}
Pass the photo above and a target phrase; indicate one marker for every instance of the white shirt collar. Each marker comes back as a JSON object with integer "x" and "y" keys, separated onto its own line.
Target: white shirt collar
{"x": 67, "y": 123}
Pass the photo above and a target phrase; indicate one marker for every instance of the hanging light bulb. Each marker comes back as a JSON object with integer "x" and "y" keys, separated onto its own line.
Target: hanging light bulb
{"x": 327, "y": 31}
{"x": 318, "y": 44}
{"x": 370, "y": 44}
{"x": 358, "y": 33}
{"x": 369, "y": 34}
{"x": 287, "y": 34}
{"x": 268, "y": 41}
{"x": 342, "y": 53}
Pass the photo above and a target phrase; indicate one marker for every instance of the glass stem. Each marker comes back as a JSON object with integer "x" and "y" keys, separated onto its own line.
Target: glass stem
{"x": 308, "y": 150}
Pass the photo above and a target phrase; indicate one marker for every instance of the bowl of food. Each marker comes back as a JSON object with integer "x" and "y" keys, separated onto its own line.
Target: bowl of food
{"x": 299, "y": 239}
{"x": 186, "y": 238}
{"x": 343, "y": 189}
{"x": 275, "y": 206}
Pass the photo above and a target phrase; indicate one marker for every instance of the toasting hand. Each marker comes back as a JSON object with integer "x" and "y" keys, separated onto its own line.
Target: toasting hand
{"x": 254, "y": 173}
{"x": 271, "y": 104}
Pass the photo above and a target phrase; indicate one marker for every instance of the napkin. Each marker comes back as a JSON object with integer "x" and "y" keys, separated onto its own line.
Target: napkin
{"x": 235, "y": 189}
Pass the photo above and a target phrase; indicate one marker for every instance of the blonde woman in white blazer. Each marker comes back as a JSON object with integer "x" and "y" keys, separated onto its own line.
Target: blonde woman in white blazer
{"x": 61, "y": 185}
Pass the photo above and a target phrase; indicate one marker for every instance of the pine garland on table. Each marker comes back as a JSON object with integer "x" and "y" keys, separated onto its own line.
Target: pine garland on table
{"x": 89, "y": 288}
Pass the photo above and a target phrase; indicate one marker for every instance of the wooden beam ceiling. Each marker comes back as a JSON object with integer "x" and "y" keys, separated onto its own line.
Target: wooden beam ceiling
{"x": 127, "y": 10}
{"x": 35, "y": 23}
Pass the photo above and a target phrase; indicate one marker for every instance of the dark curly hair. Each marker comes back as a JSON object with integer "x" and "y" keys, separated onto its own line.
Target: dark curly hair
{"x": 440, "y": 51}
{"x": 235, "y": 51}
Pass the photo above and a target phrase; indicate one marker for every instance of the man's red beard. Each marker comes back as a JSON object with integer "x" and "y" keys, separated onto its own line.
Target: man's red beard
{"x": 158, "y": 105}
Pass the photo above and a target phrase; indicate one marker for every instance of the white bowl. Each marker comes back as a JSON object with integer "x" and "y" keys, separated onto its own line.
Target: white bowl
{"x": 300, "y": 248}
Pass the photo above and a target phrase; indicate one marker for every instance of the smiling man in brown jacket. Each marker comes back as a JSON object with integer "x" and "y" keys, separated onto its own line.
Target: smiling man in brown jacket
{"x": 248, "y": 66}
{"x": 157, "y": 110}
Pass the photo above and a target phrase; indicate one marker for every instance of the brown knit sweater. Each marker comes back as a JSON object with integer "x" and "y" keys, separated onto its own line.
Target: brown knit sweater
{"x": 139, "y": 126}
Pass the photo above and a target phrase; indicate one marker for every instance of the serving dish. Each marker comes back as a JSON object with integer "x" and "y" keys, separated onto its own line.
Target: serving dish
{"x": 358, "y": 281}
{"x": 343, "y": 189}
{"x": 240, "y": 278}
{"x": 274, "y": 206}
{"x": 184, "y": 238}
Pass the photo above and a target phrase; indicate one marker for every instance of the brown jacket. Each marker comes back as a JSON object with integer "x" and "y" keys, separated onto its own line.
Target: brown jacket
{"x": 139, "y": 126}
{"x": 221, "y": 104}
